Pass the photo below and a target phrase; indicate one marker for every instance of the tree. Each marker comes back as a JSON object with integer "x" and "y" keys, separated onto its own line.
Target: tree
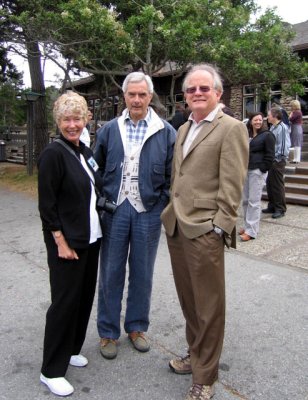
{"x": 109, "y": 39}
{"x": 8, "y": 71}
{"x": 85, "y": 33}
{"x": 219, "y": 32}
{"x": 16, "y": 33}
{"x": 81, "y": 30}
{"x": 10, "y": 85}
{"x": 12, "y": 109}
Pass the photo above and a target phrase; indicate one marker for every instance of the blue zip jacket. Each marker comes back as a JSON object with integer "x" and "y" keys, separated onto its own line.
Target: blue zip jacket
{"x": 154, "y": 165}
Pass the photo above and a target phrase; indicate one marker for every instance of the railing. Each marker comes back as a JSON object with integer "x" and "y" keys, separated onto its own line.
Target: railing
{"x": 15, "y": 139}
{"x": 8, "y": 132}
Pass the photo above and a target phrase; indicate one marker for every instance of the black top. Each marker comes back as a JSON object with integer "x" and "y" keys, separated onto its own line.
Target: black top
{"x": 64, "y": 189}
{"x": 178, "y": 119}
{"x": 262, "y": 151}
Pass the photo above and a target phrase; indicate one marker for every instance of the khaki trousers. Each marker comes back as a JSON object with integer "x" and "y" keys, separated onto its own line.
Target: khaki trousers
{"x": 198, "y": 268}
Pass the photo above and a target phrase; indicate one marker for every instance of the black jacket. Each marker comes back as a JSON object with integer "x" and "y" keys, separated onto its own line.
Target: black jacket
{"x": 262, "y": 151}
{"x": 178, "y": 119}
{"x": 64, "y": 189}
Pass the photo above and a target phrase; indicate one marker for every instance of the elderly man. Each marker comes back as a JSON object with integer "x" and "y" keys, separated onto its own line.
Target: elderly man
{"x": 134, "y": 153}
{"x": 209, "y": 168}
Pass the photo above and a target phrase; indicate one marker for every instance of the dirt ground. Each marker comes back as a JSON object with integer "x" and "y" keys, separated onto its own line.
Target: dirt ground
{"x": 15, "y": 177}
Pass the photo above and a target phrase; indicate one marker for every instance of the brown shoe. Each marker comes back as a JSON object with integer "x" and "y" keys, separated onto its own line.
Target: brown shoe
{"x": 245, "y": 238}
{"x": 181, "y": 365}
{"x": 139, "y": 341}
{"x": 108, "y": 348}
{"x": 200, "y": 392}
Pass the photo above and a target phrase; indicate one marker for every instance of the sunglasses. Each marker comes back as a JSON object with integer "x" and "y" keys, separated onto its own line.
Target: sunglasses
{"x": 202, "y": 89}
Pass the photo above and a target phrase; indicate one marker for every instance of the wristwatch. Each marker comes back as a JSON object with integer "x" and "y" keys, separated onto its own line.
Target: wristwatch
{"x": 218, "y": 230}
{"x": 57, "y": 234}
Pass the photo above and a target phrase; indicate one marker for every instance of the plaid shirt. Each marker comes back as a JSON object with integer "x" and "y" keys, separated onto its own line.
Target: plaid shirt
{"x": 130, "y": 179}
{"x": 135, "y": 133}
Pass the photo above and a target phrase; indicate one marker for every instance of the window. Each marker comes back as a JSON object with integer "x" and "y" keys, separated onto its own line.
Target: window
{"x": 107, "y": 109}
{"x": 177, "y": 98}
{"x": 255, "y": 100}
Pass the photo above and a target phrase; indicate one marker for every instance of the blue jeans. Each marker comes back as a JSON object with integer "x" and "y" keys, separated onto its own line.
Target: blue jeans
{"x": 130, "y": 235}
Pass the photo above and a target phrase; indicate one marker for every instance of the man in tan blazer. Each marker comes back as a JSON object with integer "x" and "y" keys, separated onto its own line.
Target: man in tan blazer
{"x": 209, "y": 168}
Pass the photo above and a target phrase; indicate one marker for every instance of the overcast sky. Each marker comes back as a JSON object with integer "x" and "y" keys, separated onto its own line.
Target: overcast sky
{"x": 292, "y": 11}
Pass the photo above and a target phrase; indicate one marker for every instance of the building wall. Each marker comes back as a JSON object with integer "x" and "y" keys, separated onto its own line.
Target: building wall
{"x": 236, "y": 101}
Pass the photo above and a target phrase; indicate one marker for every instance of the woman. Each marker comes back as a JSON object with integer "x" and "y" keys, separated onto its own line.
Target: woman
{"x": 72, "y": 232}
{"x": 261, "y": 156}
{"x": 296, "y": 119}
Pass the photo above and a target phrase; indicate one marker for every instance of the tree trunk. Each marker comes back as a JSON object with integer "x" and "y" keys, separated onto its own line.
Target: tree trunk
{"x": 40, "y": 126}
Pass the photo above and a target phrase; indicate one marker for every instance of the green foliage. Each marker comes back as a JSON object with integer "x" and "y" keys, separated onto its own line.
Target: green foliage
{"x": 107, "y": 38}
{"x": 8, "y": 71}
{"x": 51, "y": 95}
{"x": 261, "y": 53}
{"x": 82, "y": 30}
{"x": 214, "y": 31}
{"x": 12, "y": 108}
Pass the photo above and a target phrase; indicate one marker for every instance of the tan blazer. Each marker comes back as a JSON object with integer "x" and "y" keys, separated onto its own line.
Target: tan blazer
{"x": 206, "y": 186}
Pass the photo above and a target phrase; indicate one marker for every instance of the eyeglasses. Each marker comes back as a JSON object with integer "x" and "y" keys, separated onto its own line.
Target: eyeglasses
{"x": 202, "y": 89}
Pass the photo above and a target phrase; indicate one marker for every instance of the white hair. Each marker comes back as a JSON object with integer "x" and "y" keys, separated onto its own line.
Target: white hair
{"x": 217, "y": 81}
{"x": 138, "y": 77}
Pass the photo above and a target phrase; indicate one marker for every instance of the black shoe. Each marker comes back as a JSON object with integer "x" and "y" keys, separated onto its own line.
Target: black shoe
{"x": 267, "y": 211}
{"x": 278, "y": 214}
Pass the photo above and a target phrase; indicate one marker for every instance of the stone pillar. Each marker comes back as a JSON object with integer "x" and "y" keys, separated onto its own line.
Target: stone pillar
{"x": 236, "y": 101}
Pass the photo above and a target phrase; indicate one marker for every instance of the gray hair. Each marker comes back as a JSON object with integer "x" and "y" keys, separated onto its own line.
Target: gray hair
{"x": 208, "y": 68}
{"x": 276, "y": 113}
{"x": 138, "y": 77}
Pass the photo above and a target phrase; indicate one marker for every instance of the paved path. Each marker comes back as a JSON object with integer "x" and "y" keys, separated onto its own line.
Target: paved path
{"x": 284, "y": 240}
{"x": 266, "y": 341}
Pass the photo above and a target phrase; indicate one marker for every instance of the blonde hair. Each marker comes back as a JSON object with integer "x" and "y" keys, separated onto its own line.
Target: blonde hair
{"x": 295, "y": 104}
{"x": 70, "y": 103}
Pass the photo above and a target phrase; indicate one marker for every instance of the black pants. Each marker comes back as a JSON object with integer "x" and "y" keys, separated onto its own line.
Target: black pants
{"x": 72, "y": 285}
{"x": 275, "y": 187}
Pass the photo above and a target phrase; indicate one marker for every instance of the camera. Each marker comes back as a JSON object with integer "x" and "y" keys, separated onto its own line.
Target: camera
{"x": 105, "y": 205}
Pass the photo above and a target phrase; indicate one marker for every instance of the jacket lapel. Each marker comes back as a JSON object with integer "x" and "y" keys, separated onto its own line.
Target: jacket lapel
{"x": 182, "y": 136}
{"x": 204, "y": 132}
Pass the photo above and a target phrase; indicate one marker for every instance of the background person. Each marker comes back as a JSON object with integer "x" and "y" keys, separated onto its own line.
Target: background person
{"x": 134, "y": 153}
{"x": 285, "y": 117}
{"x": 226, "y": 110}
{"x": 261, "y": 156}
{"x": 72, "y": 235}
{"x": 275, "y": 178}
{"x": 209, "y": 168}
{"x": 179, "y": 117}
{"x": 296, "y": 119}
{"x": 85, "y": 135}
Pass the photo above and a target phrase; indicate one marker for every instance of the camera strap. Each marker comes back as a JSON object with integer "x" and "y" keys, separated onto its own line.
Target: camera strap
{"x": 74, "y": 154}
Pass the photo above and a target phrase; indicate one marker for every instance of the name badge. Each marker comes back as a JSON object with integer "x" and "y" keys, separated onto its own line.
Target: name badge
{"x": 93, "y": 163}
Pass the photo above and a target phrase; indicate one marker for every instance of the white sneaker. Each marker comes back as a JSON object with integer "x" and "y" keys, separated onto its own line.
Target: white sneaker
{"x": 58, "y": 386}
{"x": 78, "y": 361}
